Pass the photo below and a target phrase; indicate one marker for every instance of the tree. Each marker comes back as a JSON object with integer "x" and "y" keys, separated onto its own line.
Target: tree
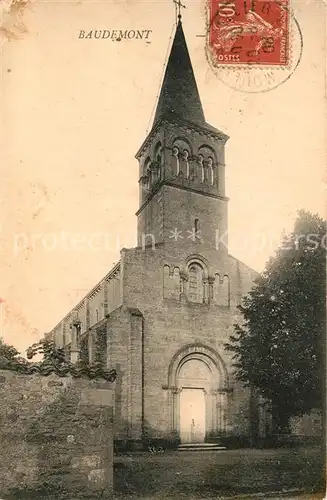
{"x": 9, "y": 355}
{"x": 53, "y": 361}
{"x": 8, "y": 352}
{"x": 279, "y": 349}
{"x": 47, "y": 348}
{"x": 51, "y": 353}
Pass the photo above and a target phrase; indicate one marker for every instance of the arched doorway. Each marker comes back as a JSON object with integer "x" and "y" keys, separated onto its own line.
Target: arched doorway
{"x": 198, "y": 394}
{"x": 194, "y": 380}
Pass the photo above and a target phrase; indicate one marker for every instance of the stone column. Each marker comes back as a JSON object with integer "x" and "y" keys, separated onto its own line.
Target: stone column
{"x": 208, "y": 411}
{"x": 166, "y": 388}
{"x": 183, "y": 282}
{"x": 136, "y": 381}
{"x": 87, "y": 319}
{"x": 224, "y": 403}
{"x": 105, "y": 298}
{"x": 206, "y": 290}
{"x": 214, "y": 412}
{"x": 92, "y": 347}
{"x": 223, "y": 400}
{"x": 211, "y": 281}
{"x": 205, "y": 169}
{"x": 75, "y": 347}
{"x": 175, "y": 406}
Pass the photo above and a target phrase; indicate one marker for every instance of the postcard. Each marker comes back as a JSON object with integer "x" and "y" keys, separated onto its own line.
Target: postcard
{"x": 155, "y": 157}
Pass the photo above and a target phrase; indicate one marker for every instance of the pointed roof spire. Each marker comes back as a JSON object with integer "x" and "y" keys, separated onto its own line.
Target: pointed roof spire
{"x": 179, "y": 94}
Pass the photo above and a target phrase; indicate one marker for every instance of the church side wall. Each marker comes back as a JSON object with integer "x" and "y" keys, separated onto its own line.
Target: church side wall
{"x": 95, "y": 307}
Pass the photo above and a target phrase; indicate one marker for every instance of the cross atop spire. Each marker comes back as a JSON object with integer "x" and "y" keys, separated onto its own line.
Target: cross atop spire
{"x": 179, "y": 4}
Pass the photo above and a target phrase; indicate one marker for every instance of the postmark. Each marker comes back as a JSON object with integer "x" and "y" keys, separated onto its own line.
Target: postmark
{"x": 249, "y": 32}
{"x": 258, "y": 45}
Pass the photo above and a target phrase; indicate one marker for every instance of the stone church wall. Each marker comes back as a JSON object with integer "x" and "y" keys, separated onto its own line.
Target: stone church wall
{"x": 56, "y": 437}
{"x": 181, "y": 214}
{"x": 125, "y": 355}
{"x": 165, "y": 334}
{"x": 308, "y": 426}
{"x": 150, "y": 222}
{"x": 95, "y": 304}
{"x": 172, "y": 324}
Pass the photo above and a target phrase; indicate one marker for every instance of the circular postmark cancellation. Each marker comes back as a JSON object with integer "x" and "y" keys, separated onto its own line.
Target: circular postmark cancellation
{"x": 253, "y": 45}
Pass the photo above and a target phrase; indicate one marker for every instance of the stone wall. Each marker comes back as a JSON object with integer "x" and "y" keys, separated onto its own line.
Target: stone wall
{"x": 170, "y": 325}
{"x": 56, "y": 437}
{"x": 308, "y": 426}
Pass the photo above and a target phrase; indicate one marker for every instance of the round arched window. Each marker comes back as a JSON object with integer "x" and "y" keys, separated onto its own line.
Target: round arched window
{"x": 195, "y": 283}
{"x": 201, "y": 160}
{"x": 176, "y": 166}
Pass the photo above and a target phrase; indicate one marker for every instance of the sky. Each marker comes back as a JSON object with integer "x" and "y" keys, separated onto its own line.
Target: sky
{"x": 75, "y": 112}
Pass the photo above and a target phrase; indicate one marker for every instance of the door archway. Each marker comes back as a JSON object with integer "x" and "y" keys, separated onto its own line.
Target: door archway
{"x": 194, "y": 380}
{"x": 198, "y": 394}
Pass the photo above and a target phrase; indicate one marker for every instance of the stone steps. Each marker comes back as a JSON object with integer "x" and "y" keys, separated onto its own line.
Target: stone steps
{"x": 201, "y": 447}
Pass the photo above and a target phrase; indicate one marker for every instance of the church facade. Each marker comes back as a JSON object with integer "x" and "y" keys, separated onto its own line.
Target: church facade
{"x": 162, "y": 315}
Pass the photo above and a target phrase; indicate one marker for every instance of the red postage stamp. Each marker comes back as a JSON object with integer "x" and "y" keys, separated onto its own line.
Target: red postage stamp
{"x": 249, "y": 32}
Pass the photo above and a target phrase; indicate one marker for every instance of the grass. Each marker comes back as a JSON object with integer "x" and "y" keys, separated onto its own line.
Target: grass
{"x": 207, "y": 474}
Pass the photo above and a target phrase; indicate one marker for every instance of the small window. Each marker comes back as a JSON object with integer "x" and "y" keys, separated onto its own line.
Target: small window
{"x": 196, "y": 225}
{"x": 201, "y": 167}
{"x": 195, "y": 284}
{"x": 158, "y": 152}
{"x": 185, "y": 158}
{"x": 97, "y": 315}
{"x": 147, "y": 174}
{"x": 176, "y": 156}
{"x": 158, "y": 162}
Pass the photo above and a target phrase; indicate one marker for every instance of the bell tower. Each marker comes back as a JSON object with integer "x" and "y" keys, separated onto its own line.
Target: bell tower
{"x": 182, "y": 161}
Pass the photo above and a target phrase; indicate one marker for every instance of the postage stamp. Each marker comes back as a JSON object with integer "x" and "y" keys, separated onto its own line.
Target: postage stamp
{"x": 250, "y": 32}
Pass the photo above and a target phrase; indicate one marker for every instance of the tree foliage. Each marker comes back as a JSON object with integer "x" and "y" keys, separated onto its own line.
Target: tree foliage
{"x": 8, "y": 351}
{"x": 53, "y": 361}
{"x": 279, "y": 349}
{"x": 56, "y": 356}
{"x": 50, "y": 352}
{"x": 9, "y": 354}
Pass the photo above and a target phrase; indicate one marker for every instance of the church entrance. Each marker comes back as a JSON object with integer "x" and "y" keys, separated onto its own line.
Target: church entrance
{"x": 192, "y": 416}
{"x": 194, "y": 380}
{"x": 197, "y": 394}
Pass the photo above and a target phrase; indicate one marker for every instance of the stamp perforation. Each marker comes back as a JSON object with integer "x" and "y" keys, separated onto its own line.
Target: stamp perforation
{"x": 253, "y": 64}
{"x": 253, "y": 78}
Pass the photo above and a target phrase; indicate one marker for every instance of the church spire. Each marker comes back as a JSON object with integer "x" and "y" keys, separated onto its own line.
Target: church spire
{"x": 179, "y": 95}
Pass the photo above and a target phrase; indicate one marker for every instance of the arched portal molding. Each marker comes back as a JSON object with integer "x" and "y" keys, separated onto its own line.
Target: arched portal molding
{"x": 200, "y": 352}
{"x": 197, "y": 258}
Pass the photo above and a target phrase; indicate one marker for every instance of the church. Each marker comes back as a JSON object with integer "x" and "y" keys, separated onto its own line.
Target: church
{"x": 162, "y": 315}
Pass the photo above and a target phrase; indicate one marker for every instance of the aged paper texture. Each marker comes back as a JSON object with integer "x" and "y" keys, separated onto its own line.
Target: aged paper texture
{"x": 207, "y": 120}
